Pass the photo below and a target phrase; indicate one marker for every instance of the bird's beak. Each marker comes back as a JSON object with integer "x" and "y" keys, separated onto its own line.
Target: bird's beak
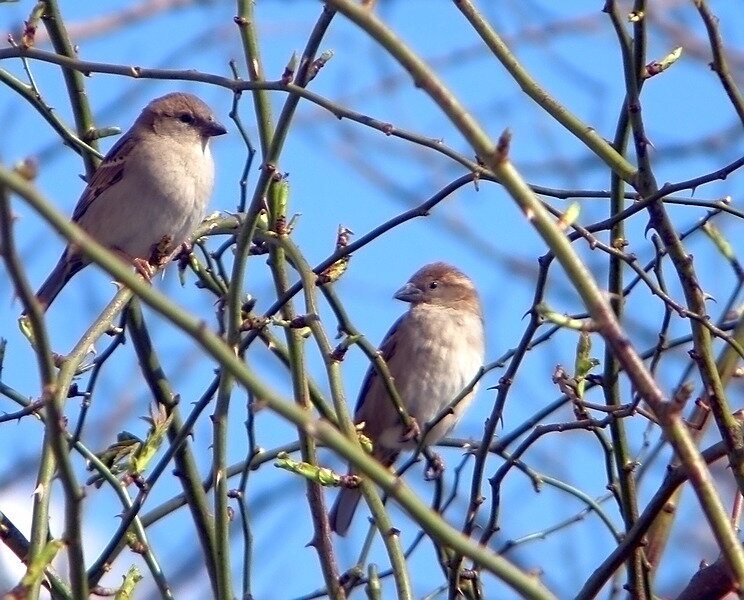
{"x": 213, "y": 128}
{"x": 408, "y": 293}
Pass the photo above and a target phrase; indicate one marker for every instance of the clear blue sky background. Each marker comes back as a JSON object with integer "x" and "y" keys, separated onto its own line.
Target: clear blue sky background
{"x": 344, "y": 173}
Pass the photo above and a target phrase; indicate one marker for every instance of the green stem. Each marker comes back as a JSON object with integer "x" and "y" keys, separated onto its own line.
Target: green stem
{"x": 188, "y": 473}
{"x": 246, "y": 23}
{"x": 496, "y": 157}
{"x": 75, "y": 84}
{"x": 589, "y": 136}
{"x": 638, "y": 579}
{"x": 298, "y": 371}
{"x": 382, "y": 521}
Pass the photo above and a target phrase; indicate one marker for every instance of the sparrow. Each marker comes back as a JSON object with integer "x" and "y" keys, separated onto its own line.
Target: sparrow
{"x": 432, "y": 352}
{"x": 149, "y": 193}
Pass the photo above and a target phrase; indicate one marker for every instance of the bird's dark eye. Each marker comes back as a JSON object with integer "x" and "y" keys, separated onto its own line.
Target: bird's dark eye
{"x": 186, "y": 118}
{"x": 433, "y": 285}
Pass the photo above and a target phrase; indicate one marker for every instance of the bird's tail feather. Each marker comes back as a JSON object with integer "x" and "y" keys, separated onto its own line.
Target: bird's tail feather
{"x": 348, "y": 498}
{"x": 343, "y": 509}
{"x": 63, "y": 271}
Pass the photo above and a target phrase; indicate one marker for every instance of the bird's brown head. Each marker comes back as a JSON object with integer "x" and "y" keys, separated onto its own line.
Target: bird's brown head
{"x": 440, "y": 284}
{"x": 183, "y": 116}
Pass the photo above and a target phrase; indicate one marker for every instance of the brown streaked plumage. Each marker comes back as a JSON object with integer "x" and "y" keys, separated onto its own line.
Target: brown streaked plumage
{"x": 151, "y": 190}
{"x": 433, "y": 352}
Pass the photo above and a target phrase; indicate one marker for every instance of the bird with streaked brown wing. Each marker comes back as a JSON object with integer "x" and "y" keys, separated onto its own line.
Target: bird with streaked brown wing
{"x": 432, "y": 352}
{"x": 149, "y": 193}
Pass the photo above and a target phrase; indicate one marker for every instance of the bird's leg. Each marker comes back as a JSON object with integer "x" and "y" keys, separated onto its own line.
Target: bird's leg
{"x": 144, "y": 268}
{"x": 434, "y": 467}
{"x": 412, "y": 432}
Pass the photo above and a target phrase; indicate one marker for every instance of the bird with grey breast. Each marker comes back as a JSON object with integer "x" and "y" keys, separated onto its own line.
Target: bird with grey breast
{"x": 150, "y": 192}
{"x": 432, "y": 352}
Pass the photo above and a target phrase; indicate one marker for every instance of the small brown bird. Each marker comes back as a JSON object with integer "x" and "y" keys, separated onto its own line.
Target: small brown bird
{"x": 433, "y": 351}
{"x": 149, "y": 193}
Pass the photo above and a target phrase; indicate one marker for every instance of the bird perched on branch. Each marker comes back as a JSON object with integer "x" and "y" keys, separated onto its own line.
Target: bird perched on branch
{"x": 432, "y": 352}
{"x": 149, "y": 193}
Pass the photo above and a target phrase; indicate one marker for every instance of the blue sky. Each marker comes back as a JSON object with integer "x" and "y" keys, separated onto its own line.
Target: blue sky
{"x": 343, "y": 173}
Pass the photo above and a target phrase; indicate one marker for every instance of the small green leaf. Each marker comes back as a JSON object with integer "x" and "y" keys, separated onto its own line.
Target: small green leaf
{"x": 278, "y": 202}
{"x": 131, "y": 579}
{"x": 321, "y": 475}
{"x": 365, "y": 442}
{"x": 263, "y": 220}
{"x": 564, "y": 320}
{"x": 318, "y": 64}
{"x": 724, "y": 247}
{"x": 657, "y": 66}
{"x": 35, "y": 570}
{"x": 569, "y": 216}
{"x": 29, "y": 27}
{"x": 116, "y": 457}
{"x": 159, "y": 423}
{"x": 24, "y": 324}
{"x": 290, "y": 69}
{"x": 337, "y": 269}
{"x": 584, "y": 363}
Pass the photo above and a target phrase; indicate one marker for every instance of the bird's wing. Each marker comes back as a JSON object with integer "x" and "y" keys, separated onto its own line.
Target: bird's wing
{"x": 108, "y": 174}
{"x": 387, "y": 351}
